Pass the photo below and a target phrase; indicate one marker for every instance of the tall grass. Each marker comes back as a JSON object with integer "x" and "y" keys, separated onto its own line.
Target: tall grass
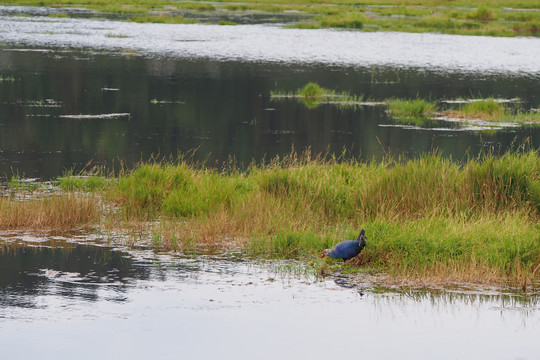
{"x": 64, "y": 212}
{"x": 431, "y": 217}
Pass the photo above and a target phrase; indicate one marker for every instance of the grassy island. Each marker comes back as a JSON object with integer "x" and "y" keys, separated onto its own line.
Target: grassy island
{"x": 428, "y": 219}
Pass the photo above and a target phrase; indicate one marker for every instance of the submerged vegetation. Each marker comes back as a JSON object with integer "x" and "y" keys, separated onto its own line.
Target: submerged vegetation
{"x": 496, "y": 18}
{"x": 429, "y": 218}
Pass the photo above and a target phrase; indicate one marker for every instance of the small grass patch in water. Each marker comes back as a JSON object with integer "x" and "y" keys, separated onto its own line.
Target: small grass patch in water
{"x": 83, "y": 183}
{"x": 312, "y": 95}
{"x": 484, "y": 109}
{"x": 494, "y": 111}
{"x": 481, "y": 14}
{"x": 416, "y": 107}
{"x": 116, "y": 36}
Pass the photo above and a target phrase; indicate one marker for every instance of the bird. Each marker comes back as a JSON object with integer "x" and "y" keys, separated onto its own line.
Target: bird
{"x": 347, "y": 249}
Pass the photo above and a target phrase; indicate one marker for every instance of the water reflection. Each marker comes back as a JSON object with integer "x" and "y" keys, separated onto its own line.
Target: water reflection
{"x": 223, "y": 109}
{"x": 137, "y": 303}
{"x": 63, "y": 269}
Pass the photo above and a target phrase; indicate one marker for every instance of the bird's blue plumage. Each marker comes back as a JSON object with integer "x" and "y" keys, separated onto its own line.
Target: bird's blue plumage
{"x": 348, "y": 249}
{"x": 345, "y": 250}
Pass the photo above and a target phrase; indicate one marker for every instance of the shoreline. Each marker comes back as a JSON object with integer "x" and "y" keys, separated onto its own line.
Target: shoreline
{"x": 424, "y": 218}
{"x": 498, "y": 19}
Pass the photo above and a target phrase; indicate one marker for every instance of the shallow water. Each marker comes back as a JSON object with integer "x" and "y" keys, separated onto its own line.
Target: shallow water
{"x": 58, "y": 296}
{"x": 76, "y": 92}
{"x": 265, "y": 43}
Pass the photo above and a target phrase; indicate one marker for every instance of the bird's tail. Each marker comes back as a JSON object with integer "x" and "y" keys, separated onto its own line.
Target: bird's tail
{"x": 361, "y": 235}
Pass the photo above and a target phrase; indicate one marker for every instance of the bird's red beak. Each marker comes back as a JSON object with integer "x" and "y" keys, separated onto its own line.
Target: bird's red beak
{"x": 323, "y": 253}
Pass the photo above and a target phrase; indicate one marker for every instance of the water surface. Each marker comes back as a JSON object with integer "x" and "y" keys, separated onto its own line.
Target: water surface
{"x": 78, "y": 92}
{"x": 61, "y": 295}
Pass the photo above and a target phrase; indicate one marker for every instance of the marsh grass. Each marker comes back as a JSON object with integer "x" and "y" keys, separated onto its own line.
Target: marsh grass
{"x": 427, "y": 218}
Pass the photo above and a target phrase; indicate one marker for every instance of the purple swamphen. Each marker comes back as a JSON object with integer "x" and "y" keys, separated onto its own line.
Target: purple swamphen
{"x": 347, "y": 249}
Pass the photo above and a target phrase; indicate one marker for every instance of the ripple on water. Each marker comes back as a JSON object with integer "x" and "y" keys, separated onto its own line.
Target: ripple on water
{"x": 271, "y": 43}
{"x": 138, "y": 303}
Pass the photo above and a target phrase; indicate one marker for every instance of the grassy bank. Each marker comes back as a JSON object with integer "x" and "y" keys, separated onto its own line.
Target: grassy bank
{"x": 429, "y": 218}
{"x": 479, "y": 17}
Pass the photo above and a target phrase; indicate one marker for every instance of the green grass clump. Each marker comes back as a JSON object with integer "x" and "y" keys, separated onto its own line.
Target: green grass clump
{"x": 312, "y": 95}
{"x": 16, "y": 183}
{"x": 225, "y": 22}
{"x": 484, "y": 109}
{"x": 416, "y": 107}
{"x": 481, "y": 14}
{"x": 313, "y": 90}
{"x": 175, "y": 190}
{"x": 91, "y": 183}
{"x": 350, "y": 20}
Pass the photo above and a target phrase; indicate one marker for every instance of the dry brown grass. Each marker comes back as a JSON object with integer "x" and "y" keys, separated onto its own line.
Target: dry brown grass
{"x": 62, "y": 212}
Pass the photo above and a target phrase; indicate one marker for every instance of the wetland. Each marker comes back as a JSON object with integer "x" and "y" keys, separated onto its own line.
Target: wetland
{"x": 162, "y": 183}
